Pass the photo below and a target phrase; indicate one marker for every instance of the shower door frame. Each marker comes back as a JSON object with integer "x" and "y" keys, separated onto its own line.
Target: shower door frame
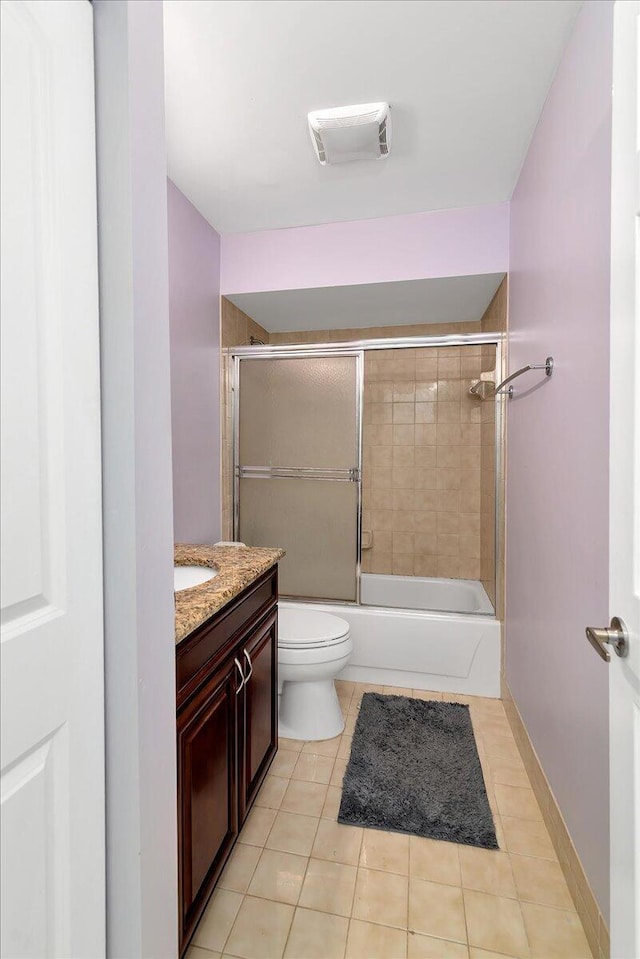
{"x": 357, "y": 348}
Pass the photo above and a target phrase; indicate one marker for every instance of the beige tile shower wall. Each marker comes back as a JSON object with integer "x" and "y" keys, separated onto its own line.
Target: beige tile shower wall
{"x": 422, "y": 461}
{"x": 236, "y": 329}
{"x": 372, "y": 333}
{"x": 494, "y": 318}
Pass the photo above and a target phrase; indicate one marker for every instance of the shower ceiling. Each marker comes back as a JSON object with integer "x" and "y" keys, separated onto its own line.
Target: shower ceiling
{"x": 452, "y": 299}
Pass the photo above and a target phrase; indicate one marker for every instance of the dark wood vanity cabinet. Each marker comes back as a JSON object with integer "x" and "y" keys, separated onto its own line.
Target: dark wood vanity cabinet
{"x": 260, "y": 732}
{"x": 207, "y": 793}
{"x": 227, "y": 735}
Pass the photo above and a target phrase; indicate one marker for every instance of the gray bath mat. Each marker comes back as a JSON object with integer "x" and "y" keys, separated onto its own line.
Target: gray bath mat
{"x": 414, "y": 768}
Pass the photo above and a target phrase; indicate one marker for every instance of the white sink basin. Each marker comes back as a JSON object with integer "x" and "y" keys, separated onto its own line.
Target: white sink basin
{"x": 184, "y": 577}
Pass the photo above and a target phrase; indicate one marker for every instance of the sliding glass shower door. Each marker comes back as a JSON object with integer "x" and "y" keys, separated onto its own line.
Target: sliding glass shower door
{"x": 298, "y": 468}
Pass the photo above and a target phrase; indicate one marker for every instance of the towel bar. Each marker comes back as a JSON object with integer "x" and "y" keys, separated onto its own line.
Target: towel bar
{"x": 547, "y": 366}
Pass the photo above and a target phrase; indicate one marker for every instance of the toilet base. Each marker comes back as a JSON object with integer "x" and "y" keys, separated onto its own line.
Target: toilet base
{"x": 309, "y": 711}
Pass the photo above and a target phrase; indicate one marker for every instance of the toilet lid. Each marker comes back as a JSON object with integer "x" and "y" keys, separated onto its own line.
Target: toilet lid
{"x": 307, "y": 627}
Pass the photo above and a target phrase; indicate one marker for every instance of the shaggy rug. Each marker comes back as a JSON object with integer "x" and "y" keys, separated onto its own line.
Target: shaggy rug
{"x": 414, "y": 768}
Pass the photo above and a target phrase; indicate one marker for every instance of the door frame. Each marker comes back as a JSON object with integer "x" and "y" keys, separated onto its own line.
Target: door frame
{"x": 624, "y": 471}
{"x": 142, "y": 889}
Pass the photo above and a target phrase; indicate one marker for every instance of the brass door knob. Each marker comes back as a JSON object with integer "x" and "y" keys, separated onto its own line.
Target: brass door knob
{"x": 616, "y": 635}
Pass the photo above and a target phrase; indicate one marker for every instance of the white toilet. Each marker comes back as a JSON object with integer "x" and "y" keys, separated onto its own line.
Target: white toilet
{"x": 313, "y": 647}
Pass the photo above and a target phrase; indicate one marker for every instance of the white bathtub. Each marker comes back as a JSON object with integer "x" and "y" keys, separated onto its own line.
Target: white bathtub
{"x": 448, "y": 652}
{"x": 434, "y": 595}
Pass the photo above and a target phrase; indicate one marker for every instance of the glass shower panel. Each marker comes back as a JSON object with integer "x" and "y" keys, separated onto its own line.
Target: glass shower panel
{"x": 298, "y": 469}
{"x": 315, "y": 521}
{"x": 299, "y": 412}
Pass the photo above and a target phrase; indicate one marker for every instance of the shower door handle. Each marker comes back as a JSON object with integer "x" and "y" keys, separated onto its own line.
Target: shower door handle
{"x": 615, "y": 635}
{"x": 338, "y": 475}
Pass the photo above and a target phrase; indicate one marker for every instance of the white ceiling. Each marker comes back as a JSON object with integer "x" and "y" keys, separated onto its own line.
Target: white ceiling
{"x": 466, "y": 80}
{"x": 456, "y": 299}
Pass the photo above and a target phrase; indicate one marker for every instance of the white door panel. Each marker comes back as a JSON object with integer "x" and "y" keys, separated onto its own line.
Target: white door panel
{"x": 52, "y": 784}
{"x": 35, "y": 834}
{"x": 31, "y": 488}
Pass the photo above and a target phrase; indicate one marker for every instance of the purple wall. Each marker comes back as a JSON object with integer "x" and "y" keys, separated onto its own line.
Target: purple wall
{"x": 557, "y": 444}
{"x": 194, "y": 307}
{"x": 412, "y": 247}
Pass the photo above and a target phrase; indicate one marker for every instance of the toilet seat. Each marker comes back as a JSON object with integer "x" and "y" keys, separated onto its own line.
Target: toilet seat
{"x": 309, "y": 629}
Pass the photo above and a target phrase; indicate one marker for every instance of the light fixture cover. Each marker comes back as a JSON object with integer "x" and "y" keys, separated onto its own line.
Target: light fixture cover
{"x": 342, "y": 134}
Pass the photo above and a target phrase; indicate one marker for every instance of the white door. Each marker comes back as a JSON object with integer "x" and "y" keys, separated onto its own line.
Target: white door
{"x": 52, "y": 741}
{"x": 624, "y": 672}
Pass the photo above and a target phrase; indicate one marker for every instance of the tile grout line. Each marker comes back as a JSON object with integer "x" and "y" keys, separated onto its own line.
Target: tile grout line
{"x": 406, "y": 938}
{"x": 478, "y": 731}
{"x": 464, "y": 907}
{"x": 295, "y": 905}
{"x": 319, "y": 820}
{"x": 228, "y": 936}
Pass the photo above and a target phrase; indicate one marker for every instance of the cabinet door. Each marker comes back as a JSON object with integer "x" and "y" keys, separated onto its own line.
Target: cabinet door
{"x": 260, "y": 732}
{"x": 207, "y": 790}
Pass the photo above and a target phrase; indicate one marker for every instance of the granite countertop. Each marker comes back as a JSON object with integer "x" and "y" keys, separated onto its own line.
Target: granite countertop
{"x": 237, "y": 566}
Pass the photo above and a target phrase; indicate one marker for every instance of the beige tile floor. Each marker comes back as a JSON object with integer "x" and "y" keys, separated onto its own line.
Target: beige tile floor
{"x": 301, "y": 886}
